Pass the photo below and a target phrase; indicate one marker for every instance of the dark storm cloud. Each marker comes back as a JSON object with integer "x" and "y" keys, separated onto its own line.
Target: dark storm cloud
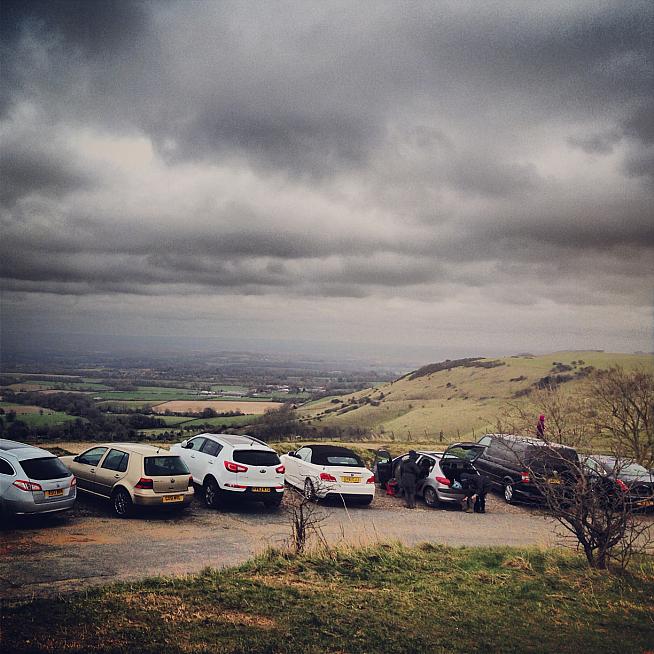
{"x": 424, "y": 151}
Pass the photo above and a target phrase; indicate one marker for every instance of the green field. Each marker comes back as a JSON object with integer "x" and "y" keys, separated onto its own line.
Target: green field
{"x": 228, "y": 388}
{"x": 231, "y": 421}
{"x": 463, "y": 402}
{"x": 382, "y": 599}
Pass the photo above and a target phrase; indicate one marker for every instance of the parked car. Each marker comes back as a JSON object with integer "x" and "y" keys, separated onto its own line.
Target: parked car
{"x": 132, "y": 475}
{"x": 621, "y": 479}
{"x": 33, "y": 480}
{"x": 439, "y": 472}
{"x": 232, "y": 466}
{"x": 509, "y": 461}
{"x": 322, "y": 471}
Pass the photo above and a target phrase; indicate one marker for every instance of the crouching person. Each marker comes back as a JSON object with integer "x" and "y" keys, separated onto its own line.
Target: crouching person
{"x": 476, "y": 487}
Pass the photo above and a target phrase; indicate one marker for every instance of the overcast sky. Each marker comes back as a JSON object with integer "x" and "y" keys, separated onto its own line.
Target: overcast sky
{"x": 475, "y": 177}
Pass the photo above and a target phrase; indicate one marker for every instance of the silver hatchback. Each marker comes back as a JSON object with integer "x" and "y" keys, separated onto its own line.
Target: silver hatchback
{"x": 33, "y": 481}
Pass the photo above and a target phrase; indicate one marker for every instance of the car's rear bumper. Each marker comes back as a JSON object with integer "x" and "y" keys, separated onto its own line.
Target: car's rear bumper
{"x": 28, "y": 507}
{"x": 358, "y": 497}
{"x": 158, "y": 499}
{"x": 250, "y": 493}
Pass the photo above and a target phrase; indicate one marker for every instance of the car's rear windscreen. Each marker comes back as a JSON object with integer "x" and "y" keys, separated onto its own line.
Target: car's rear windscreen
{"x": 256, "y": 457}
{"x": 45, "y": 468}
{"x": 347, "y": 459}
{"x": 163, "y": 466}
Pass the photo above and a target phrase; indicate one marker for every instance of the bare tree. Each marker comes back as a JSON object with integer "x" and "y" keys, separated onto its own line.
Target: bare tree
{"x": 305, "y": 517}
{"x": 623, "y": 409}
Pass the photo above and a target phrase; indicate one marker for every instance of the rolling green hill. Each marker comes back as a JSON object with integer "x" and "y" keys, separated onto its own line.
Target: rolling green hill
{"x": 461, "y": 398}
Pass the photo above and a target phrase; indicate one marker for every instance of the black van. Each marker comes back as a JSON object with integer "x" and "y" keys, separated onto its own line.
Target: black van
{"x": 509, "y": 461}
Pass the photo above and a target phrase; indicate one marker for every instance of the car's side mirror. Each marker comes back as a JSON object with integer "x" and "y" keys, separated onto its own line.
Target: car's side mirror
{"x": 76, "y": 459}
{"x": 184, "y": 444}
{"x": 291, "y": 453}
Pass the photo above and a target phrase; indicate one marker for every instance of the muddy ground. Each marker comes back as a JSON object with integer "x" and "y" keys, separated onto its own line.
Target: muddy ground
{"x": 87, "y": 546}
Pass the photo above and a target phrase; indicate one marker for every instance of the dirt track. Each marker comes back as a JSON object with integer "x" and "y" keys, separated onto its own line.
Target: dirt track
{"x": 89, "y": 546}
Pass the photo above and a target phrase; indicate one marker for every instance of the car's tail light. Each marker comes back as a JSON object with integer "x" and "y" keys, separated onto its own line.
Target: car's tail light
{"x": 370, "y": 480}
{"x": 621, "y": 485}
{"x": 524, "y": 477}
{"x": 325, "y": 476}
{"x": 73, "y": 482}
{"x": 144, "y": 483}
{"x": 190, "y": 481}
{"x": 27, "y": 485}
{"x": 280, "y": 470}
{"x": 235, "y": 467}
{"x": 443, "y": 480}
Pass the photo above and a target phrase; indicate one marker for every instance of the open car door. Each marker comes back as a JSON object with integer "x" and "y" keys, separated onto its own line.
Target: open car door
{"x": 383, "y": 467}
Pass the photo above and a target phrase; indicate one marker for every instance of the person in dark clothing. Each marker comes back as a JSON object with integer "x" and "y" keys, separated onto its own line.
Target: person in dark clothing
{"x": 476, "y": 487}
{"x": 409, "y": 473}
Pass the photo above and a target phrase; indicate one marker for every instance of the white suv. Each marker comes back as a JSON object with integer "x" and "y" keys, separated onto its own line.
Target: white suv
{"x": 233, "y": 466}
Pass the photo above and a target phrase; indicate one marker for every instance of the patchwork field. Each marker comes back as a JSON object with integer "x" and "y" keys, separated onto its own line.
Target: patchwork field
{"x": 219, "y": 406}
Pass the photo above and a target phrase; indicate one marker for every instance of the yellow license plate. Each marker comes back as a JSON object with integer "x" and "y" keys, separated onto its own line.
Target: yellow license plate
{"x": 262, "y": 489}
{"x": 646, "y": 503}
{"x": 173, "y": 498}
{"x": 350, "y": 480}
{"x": 553, "y": 481}
{"x": 54, "y": 493}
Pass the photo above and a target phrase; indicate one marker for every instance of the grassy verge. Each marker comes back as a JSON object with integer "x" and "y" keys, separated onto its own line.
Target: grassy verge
{"x": 386, "y": 598}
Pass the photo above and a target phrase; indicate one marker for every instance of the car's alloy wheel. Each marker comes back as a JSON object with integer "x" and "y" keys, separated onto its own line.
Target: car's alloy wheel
{"x": 309, "y": 491}
{"x": 122, "y": 503}
{"x": 508, "y": 492}
{"x": 430, "y": 497}
{"x": 211, "y": 493}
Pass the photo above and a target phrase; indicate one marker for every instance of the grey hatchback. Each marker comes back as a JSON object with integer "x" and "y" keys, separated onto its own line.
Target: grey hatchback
{"x": 33, "y": 480}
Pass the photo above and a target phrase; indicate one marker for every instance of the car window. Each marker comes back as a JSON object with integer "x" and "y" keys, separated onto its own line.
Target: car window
{"x": 116, "y": 460}
{"x": 5, "y": 468}
{"x": 163, "y": 466}
{"x": 426, "y": 462}
{"x": 256, "y": 457}
{"x": 195, "y": 444}
{"x": 49, "y": 467}
{"x": 339, "y": 458}
{"x": 92, "y": 457}
{"x": 485, "y": 440}
{"x": 211, "y": 447}
{"x": 304, "y": 453}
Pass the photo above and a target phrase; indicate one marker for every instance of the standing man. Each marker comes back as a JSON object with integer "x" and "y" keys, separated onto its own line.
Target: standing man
{"x": 409, "y": 473}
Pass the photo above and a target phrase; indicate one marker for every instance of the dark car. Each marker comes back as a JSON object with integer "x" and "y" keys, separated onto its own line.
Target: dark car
{"x": 621, "y": 480}
{"x": 512, "y": 463}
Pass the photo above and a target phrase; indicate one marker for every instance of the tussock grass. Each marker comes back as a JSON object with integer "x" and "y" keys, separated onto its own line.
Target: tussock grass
{"x": 383, "y": 598}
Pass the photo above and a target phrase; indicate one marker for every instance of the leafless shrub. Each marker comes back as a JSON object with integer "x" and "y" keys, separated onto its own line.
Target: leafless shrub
{"x": 305, "y": 518}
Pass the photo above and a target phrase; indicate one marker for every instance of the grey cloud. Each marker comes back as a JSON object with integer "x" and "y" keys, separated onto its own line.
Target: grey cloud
{"x": 596, "y": 143}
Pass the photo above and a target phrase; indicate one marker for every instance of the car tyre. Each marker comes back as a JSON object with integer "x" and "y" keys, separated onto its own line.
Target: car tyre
{"x": 309, "y": 490}
{"x": 509, "y": 491}
{"x": 211, "y": 493}
{"x": 122, "y": 503}
{"x": 430, "y": 496}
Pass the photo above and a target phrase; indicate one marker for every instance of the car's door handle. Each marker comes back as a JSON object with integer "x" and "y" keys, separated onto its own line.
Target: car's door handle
{"x": 210, "y": 463}
{"x": 116, "y": 476}
{"x": 92, "y": 470}
{"x": 193, "y": 456}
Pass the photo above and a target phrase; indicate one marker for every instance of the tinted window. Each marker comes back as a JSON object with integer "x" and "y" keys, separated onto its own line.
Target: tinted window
{"x": 343, "y": 458}
{"x": 164, "y": 466}
{"x": 92, "y": 457}
{"x": 256, "y": 457}
{"x": 116, "y": 460}
{"x": 195, "y": 443}
{"x": 5, "y": 468}
{"x": 47, "y": 468}
{"x": 485, "y": 440}
{"x": 211, "y": 447}
{"x": 500, "y": 450}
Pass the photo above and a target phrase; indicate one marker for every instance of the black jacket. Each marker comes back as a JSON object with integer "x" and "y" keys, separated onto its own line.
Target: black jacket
{"x": 409, "y": 473}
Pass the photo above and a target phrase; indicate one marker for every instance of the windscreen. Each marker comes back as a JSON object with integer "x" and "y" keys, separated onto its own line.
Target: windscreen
{"x": 164, "y": 466}
{"x": 467, "y": 453}
{"x": 46, "y": 468}
{"x": 256, "y": 457}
